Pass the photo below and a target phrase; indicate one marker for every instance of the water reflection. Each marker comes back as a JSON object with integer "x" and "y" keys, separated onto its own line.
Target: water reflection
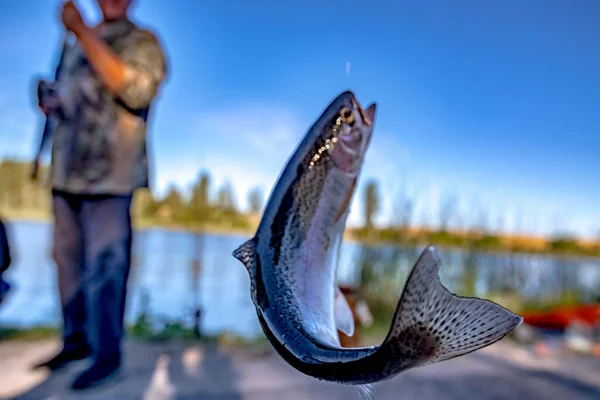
{"x": 181, "y": 272}
{"x": 537, "y": 281}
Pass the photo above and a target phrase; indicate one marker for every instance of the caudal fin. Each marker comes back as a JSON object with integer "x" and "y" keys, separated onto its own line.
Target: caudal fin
{"x": 366, "y": 392}
{"x": 431, "y": 324}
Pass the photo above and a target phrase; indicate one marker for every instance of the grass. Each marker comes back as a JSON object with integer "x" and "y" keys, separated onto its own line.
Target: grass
{"x": 142, "y": 329}
{"x": 28, "y": 334}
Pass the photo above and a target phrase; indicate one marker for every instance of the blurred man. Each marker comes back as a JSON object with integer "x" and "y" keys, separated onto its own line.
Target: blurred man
{"x": 108, "y": 81}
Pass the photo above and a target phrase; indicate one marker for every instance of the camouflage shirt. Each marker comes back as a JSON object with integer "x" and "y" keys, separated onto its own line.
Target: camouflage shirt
{"x": 99, "y": 145}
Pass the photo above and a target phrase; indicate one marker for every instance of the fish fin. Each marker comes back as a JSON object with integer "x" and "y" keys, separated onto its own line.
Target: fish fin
{"x": 432, "y": 324}
{"x": 246, "y": 254}
{"x": 366, "y": 392}
{"x": 344, "y": 320}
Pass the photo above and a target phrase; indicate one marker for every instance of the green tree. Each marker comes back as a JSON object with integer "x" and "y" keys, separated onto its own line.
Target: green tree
{"x": 13, "y": 174}
{"x": 172, "y": 205}
{"x": 371, "y": 203}
{"x": 255, "y": 200}
{"x": 18, "y": 192}
{"x": 225, "y": 198}
{"x": 144, "y": 205}
{"x": 200, "y": 200}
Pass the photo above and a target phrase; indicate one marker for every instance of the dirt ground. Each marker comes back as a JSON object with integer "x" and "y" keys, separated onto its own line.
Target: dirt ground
{"x": 192, "y": 370}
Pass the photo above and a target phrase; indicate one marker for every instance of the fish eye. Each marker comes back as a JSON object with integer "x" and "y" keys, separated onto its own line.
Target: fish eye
{"x": 347, "y": 115}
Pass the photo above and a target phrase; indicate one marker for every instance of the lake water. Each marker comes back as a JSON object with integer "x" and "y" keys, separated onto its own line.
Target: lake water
{"x": 163, "y": 273}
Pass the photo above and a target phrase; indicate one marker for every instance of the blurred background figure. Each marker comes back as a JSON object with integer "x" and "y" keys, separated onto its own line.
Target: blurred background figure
{"x": 108, "y": 81}
{"x": 5, "y": 260}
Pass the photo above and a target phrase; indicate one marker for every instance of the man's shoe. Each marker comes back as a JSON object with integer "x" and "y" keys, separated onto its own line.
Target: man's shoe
{"x": 99, "y": 373}
{"x": 63, "y": 358}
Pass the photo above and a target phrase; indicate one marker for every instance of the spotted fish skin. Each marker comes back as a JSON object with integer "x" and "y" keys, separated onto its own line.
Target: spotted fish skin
{"x": 292, "y": 259}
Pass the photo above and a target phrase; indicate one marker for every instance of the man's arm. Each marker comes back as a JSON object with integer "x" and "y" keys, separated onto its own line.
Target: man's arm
{"x": 105, "y": 62}
{"x": 136, "y": 75}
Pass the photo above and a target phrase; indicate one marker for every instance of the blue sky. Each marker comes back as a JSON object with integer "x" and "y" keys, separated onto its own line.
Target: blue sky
{"x": 496, "y": 102}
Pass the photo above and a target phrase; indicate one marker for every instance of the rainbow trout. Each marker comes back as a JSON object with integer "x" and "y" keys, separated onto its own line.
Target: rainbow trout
{"x": 292, "y": 262}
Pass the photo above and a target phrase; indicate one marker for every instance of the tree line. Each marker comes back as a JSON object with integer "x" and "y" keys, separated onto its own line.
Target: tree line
{"x": 201, "y": 206}
{"x": 205, "y": 206}
{"x": 478, "y": 235}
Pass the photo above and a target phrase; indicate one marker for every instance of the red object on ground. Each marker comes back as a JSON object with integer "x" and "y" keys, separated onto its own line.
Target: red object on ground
{"x": 541, "y": 349}
{"x": 561, "y": 317}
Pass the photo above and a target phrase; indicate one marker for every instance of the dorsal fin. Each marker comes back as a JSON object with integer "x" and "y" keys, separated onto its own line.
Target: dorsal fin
{"x": 246, "y": 253}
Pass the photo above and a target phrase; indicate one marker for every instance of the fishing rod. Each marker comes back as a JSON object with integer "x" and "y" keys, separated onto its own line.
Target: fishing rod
{"x": 50, "y": 119}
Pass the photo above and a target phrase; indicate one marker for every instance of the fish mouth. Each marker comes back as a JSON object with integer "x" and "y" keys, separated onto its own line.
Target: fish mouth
{"x": 354, "y": 142}
{"x": 343, "y": 132}
{"x": 366, "y": 120}
{"x": 354, "y": 131}
{"x": 348, "y": 99}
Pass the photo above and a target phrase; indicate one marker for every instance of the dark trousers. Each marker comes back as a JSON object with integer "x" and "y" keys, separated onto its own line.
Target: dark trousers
{"x": 92, "y": 249}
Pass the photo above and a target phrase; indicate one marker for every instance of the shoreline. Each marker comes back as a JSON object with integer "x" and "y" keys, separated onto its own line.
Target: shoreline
{"x": 44, "y": 332}
{"x": 492, "y": 251}
{"x": 350, "y": 236}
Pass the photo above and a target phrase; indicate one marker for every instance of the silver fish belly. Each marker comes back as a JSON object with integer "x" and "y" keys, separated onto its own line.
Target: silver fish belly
{"x": 292, "y": 261}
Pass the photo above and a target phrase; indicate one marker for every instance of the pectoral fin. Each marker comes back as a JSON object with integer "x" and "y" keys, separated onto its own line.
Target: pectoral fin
{"x": 344, "y": 320}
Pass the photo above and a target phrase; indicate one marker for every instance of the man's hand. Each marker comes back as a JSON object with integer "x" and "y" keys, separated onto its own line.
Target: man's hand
{"x": 71, "y": 18}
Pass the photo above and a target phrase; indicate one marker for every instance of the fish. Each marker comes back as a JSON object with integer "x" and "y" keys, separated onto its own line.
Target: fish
{"x": 292, "y": 259}
{"x": 51, "y": 120}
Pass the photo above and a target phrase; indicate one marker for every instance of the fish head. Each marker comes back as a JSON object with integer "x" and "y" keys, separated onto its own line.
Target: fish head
{"x": 337, "y": 144}
{"x": 343, "y": 132}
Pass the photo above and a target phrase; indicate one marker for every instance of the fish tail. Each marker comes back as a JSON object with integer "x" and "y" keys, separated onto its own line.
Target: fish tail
{"x": 431, "y": 324}
{"x": 366, "y": 391}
